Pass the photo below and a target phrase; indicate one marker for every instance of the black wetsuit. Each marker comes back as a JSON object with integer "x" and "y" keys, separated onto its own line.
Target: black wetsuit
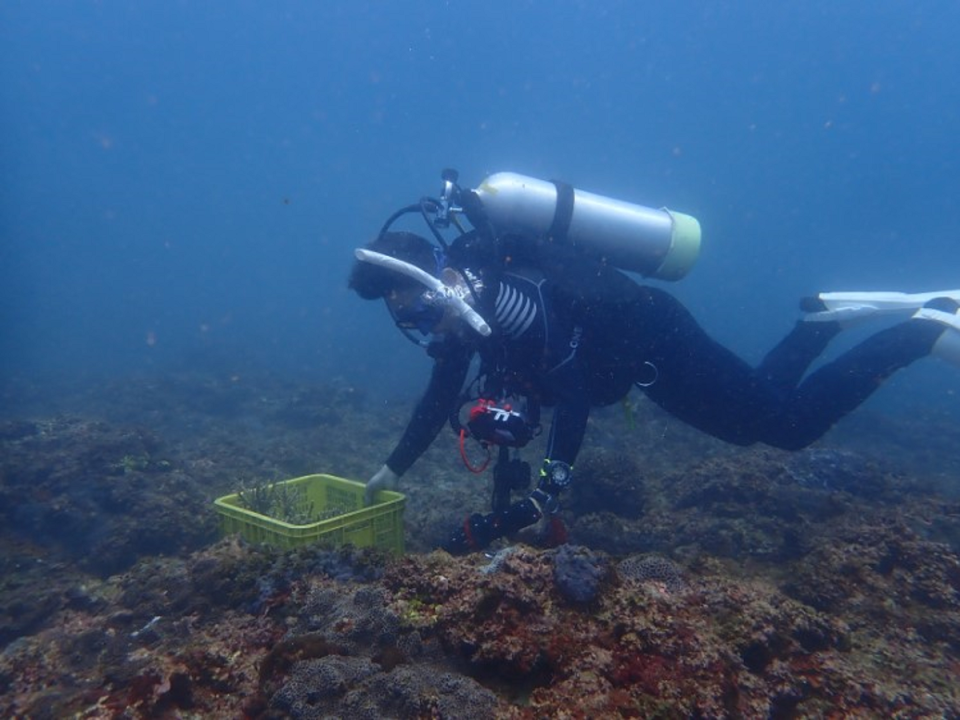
{"x": 583, "y": 339}
{"x": 574, "y": 333}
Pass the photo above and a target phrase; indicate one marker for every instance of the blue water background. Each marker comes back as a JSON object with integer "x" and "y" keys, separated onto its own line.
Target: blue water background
{"x": 183, "y": 183}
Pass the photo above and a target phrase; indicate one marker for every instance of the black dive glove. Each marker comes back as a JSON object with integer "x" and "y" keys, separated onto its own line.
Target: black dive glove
{"x": 478, "y": 531}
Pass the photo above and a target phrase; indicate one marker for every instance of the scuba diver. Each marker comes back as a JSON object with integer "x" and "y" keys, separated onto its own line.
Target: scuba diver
{"x": 536, "y": 290}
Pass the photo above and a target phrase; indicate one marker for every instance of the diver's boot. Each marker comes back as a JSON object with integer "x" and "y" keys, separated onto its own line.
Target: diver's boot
{"x": 852, "y": 308}
{"x": 946, "y": 311}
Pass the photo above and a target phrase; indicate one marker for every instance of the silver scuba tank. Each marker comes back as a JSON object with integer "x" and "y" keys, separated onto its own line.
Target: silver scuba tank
{"x": 658, "y": 243}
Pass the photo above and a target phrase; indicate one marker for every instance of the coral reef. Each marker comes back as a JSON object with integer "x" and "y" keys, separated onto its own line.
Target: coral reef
{"x": 699, "y": 581}
{"x": 169, "y": 648}
{"x": 99, "y": 496}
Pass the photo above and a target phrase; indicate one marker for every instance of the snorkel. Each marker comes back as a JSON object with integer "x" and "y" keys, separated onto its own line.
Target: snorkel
{"x": 451, "y": 298}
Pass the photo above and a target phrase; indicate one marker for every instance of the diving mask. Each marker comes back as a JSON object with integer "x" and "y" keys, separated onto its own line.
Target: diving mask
{"x": 419, "y": 315}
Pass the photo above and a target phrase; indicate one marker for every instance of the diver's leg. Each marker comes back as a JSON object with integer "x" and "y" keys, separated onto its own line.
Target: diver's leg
{"x": 706, "y": 385}
{"x": 788, "y": 361}
{"x": 828, "y": 313}
{"x": 839, "y": 387}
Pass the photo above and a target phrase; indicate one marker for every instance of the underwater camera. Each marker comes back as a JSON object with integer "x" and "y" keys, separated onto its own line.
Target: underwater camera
{"x": 494, "y": 424}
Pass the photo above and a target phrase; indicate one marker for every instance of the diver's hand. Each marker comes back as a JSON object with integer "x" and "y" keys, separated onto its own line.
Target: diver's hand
{"x": 385, "y": 479}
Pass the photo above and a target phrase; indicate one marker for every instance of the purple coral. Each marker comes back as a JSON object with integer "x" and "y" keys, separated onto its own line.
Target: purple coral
{"x": 577, "y": 573}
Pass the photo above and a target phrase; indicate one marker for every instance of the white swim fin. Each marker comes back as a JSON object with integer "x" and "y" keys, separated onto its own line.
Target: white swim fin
{"x": 849, "y": 308}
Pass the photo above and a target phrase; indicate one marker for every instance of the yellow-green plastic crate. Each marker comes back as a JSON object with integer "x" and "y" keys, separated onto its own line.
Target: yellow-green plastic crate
{"x": 379, "y": 525}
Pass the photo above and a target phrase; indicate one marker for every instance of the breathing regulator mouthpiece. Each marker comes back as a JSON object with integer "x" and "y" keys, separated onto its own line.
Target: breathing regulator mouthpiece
{"x": 437, "y": 293}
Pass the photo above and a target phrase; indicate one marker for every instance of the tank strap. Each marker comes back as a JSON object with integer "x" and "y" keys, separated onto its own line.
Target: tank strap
{"x": 563, "y": 212}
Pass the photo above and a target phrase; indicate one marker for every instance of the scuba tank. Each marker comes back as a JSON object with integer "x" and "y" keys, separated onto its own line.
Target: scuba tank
{"x": 657, "y": 243}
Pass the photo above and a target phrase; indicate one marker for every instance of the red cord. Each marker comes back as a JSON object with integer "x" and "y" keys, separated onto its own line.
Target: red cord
{"x": 468, "y": 534}
{"x": 466, "y": 461}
